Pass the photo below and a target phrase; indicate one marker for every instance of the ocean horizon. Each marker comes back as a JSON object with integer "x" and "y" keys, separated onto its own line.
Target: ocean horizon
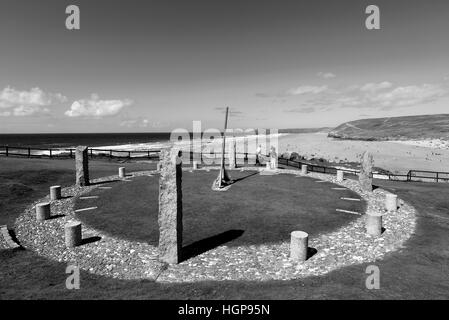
{"x": 117, "y": 141}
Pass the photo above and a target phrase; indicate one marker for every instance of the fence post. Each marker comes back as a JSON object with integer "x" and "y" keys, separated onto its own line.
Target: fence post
{"x": 51, "y": 154}
{"x": 437, "y": 176}
{"x": 71, "y": 153}
{"x": 29, "y": 152}
{"x": 7, "y": 150}
{"x": 110, "y": 154}
{"x": 91, "y": 154}
{"x": 129, "y": 154}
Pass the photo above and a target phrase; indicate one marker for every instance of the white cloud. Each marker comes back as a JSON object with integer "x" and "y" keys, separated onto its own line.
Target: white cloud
{"x": 94, "y": 107}
{"x": 26, "y": 103}
{"x": 306, "y": 90}
{"x": 374, "y": 87}
{"x": 326, "y": 75}
{"x": 382, "y": 95}
{"x": 409, "y": 95}
{"x": 143, "y": 123}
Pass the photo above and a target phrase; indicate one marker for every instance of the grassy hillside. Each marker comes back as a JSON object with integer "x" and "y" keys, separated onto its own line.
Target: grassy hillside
{"x": 396, "y": 128}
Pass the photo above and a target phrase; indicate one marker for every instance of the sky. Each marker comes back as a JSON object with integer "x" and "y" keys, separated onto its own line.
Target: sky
{"x": 145, "y": 66}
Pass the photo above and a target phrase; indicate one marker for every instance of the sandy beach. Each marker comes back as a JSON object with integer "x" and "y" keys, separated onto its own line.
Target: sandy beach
{"x": 395, "y": 156}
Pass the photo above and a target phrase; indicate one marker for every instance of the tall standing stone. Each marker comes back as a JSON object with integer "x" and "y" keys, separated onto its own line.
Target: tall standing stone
{"x": 170, "y": 206}
{"x": 366, "y": 173}
{"x": 82, "y": 166}
{"x": 232, "y": 154}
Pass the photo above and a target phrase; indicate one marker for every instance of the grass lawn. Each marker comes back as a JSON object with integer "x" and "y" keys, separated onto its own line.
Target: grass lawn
{"x": 265, "y": 208}
{"x": 418, "y": 271}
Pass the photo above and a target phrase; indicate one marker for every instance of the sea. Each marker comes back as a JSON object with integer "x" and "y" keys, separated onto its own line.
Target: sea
{"x": 109, "y": 141}
{"x": 69, "y": 140}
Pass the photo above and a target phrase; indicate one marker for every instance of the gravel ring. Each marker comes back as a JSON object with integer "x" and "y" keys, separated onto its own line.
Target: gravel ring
{"x": 125, "y": 259}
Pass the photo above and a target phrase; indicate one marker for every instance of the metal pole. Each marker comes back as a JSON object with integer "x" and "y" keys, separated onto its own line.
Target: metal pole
{"x": 224, "y": 144}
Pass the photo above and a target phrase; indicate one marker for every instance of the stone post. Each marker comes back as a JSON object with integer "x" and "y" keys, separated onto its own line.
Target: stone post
{"x": 340, "y": 176}
{"x": 232, "y": 154}
{"x": 373, "y": 224}
{"x": 304, "y": 169}
{"x": 122, "y": 172}
{"x": 55, "y": 193}
{"x": 170, "y": 207}
{"x": 391, "y": 202}
{"x": 366, "y": 172}
{"x": 158, "y": 166}
{"x": 298, "y": 246}
{"x": 195, "y": 165}
{"x": 43, "y": 211}
{"x": 82, "y": 166}
{"x": 73, "y": 235}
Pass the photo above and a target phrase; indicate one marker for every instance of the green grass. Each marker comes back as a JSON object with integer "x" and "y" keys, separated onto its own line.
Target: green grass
{"x": 395, "y": 128}
{"x": 266, "y": 208}
{"x": 419, "y": 271}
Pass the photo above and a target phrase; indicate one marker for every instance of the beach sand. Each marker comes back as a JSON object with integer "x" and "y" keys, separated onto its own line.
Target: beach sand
{"x": 395, "y": 156}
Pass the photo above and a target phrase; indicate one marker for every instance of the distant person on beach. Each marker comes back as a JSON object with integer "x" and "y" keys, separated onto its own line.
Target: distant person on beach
{"x": 258, "y": 154}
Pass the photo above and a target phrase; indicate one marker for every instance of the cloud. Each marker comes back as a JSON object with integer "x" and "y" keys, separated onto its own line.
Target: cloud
{"x": 301, "y": 90}
{"x": 374, "y": 87}
{"x": 232, "y": 112}
{"x": 27, "y": 103}
{"x": 143, "y": 123}
{"x": 302, "y": 110}
{"x": 94, "y": 107}
{"x": 382, "y": 95}
{"x": 408, "y": 95}
{"x": 326, "y": 75}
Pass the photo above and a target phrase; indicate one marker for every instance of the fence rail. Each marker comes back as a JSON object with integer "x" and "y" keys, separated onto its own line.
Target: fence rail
{"x": 70, "y": 153}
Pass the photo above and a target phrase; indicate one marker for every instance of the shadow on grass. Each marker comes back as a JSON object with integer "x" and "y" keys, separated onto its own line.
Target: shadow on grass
{"x": 90, "y": 240}
{"x": 66, "y": 197}
{"x": 103, "y": 182}
{"x": 201, "y": 246}
{"x": 245, "y": 177}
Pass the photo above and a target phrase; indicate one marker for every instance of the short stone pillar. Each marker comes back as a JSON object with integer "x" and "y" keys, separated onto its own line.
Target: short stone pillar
{"x": 122, "y": 172}
{"x": 158, "y": 166}
{"x": 391, "y": 202}
{"x": 304, "y": 169}
{"x": 82, "y": 166}
{"x": 43, "y": 211}
{"x": 299, "y": 244}
{"x": 73, "y": 235}
{"x": 55, "y": 193}
{"x": 232, "y": 154}
{"x": 366, "y": 172}
{"x": 373, "y": 224}
{"x": 195, "y": 165}
{"x": 170, "y": 207}
{"x": 340, "y": 176}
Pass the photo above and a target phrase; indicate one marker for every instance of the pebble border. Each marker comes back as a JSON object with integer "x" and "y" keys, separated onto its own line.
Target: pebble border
{"x": 125, "y": 259}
